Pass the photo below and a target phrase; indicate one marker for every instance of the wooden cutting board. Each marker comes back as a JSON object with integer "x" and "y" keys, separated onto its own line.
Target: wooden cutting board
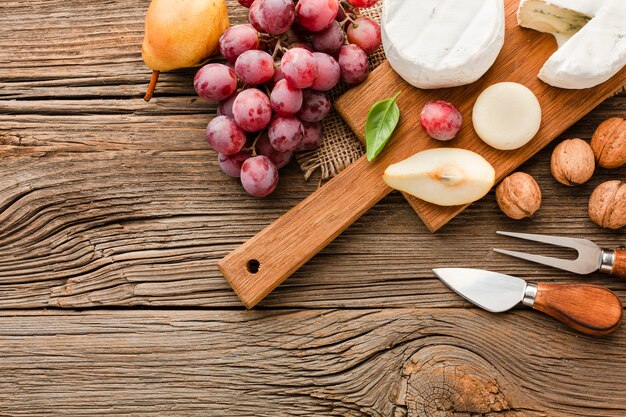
{"x": 261, "y": 264}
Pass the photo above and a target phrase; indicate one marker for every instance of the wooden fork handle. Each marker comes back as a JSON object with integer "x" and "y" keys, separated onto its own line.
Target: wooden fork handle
{"x": 589, "y": 309}
{"x": 619, "y": 262}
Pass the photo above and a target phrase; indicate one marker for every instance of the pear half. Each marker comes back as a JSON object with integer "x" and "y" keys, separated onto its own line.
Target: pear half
{"x": 445, "y": 176}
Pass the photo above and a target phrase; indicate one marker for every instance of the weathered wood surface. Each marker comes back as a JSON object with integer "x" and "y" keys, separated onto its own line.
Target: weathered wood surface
{"x": 108, "y": 201}
{"x": 383, "y": 363}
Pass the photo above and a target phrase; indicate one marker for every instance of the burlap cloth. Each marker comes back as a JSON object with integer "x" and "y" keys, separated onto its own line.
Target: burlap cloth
{"x": 341, "y": 147}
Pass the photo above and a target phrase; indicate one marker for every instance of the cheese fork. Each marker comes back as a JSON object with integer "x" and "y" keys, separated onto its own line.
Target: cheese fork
{"x": 591, "y": 258}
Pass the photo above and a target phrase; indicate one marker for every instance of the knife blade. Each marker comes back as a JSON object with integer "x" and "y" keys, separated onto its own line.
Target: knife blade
{"x": 590, "y": 309}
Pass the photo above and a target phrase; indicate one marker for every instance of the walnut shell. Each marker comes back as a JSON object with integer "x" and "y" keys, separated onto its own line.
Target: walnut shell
{"x": 573, "y": 162}
{"x": 607, "y": 205}
{"x": 518, "y": 196}
{"x": 609, "y": 143}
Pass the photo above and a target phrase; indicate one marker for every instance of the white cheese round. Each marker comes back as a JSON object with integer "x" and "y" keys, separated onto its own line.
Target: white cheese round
{"x": 442, "y": 43}
{"x": 507, "y": 116}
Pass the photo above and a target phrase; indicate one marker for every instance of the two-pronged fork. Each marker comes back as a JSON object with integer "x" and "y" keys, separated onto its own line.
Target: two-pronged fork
{"x": 591, "y": 258}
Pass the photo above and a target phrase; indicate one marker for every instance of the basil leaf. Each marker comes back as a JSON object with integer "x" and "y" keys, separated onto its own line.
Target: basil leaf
{"x": 382, "y": 120}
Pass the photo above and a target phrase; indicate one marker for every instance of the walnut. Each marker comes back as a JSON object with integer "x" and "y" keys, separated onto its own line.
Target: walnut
{"x": 518, "y": 196}
{"x": 573, "y": 162}
{"x": 609, "y": 143}
{"x": 607, "y": 205}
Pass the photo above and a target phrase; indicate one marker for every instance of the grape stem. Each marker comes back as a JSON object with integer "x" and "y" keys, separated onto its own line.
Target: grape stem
{"x": 252, "y": 147}
{"x": 152, "y": 85}
{"x": 277, "y": 48}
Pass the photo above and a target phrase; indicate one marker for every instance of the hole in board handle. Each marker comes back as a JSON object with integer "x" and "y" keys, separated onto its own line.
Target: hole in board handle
{"x": 253, "y": 266}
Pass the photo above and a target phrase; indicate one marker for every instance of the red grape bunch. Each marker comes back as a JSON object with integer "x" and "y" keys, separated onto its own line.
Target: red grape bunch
{"x": 271, "y": 93}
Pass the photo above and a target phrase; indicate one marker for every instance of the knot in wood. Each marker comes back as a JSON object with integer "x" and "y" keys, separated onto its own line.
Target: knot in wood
{"x": 447, "y": 381}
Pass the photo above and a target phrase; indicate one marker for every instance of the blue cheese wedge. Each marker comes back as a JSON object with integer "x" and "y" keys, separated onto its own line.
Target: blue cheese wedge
{"x": 442, "y": 43}
{"x": 591, "y": 35}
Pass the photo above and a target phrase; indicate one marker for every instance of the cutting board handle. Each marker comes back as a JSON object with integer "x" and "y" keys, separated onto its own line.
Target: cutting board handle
{"x": 265, "y": 261}
{"x": 589, "y": 309}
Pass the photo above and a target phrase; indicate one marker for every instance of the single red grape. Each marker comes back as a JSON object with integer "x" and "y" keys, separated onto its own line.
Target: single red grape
{"x": 259, "y": 176}
{"x": 225, "y": 107}
{"x": 328, "y": 72}
{"x": 254, "y": 16}
{"x": 246, "y": 3}
{"x": 285, "y": 133}
{"x": 215, "y": 82}
{"x": 315, "y": 106}
{"x": 364, "y": 33}
{"x": 363, "y": 3}
{"x": 353, "y": 63}
{"x": 328, "y": 40}
{"x": 316, "y": 15}
{"x": 299, "y": 67}
{"x": 225, "y": 136}
{"x": 252, "y": 110}
{"x": 285, "y": 99}
{"x": 313, "y": 136}
{"x": 441, "y": 120}
{"x": 265, "y": 148}
{"x": 255, "y": 67}
{"x": 231, "y": 164}
{"x": 237, "y": 40}
{"x": 276, "y": 16}
{"x": 278, "y": 73}
{"x": 302, "y": 45}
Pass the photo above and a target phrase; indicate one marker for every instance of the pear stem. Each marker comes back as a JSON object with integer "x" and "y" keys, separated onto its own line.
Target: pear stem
{"x": 153, "y": 82}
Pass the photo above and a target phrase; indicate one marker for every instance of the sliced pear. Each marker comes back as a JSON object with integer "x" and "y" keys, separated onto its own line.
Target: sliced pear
{"x": 444, "y": 176}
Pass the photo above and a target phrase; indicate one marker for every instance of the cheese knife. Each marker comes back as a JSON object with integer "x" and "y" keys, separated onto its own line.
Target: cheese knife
{"x": 587, "y": 308}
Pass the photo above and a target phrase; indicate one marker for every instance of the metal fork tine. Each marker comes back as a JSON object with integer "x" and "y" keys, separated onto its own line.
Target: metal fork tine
{"x": 589, "y": 254}
{"x": 566, "y": 242}
{"x": 567, "y": 265}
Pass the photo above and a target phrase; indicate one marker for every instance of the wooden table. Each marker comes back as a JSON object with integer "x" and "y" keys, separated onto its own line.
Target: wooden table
{"x": 113, "y": 214}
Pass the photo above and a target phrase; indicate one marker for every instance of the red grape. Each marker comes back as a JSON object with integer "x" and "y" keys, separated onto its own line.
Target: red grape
{"x": 225, "y": 136}
{"x": 316, "y": 15}
{"x": 353, "y": 63}
{"x": 328, "y": 72}
{"x": 278, "y": 73}
{"x": 237, "y": 40}
{"x": 299, "y": 67}
{"x": 231, "y": 164}
{"x": 254, "y": 16}
{"x": 246, "y": 3}
{"x": 315, "y": 106}
{"x": 285, "y": 133}
{"x": 252, "y": 110}
{"x": 284, "y": 99}
{"x": 276, "y": 16}
{"x": 364, "y": 33}
{"x": 302, "y": 45}
{"x": 265, "y": 148}
{"x": 255, "y": 67}
{"x": 225, "y": 107}
{"x": 313, "y": 136}
{"x": 329, "y": 40}
{"x": 259, "y": 176}
{"x": 363, "y": 3}
{"x": 215, "y": 82}
{"x": 441, "y": 120}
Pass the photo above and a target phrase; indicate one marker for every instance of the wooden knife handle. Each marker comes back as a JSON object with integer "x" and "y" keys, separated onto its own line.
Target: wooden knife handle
{"x": 254, "y": 269}
{"x": 619, "y": 263}
{"x": 589, "y": 309}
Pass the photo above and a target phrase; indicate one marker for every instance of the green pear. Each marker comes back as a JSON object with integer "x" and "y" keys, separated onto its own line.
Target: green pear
{"x": 181, "y": 34}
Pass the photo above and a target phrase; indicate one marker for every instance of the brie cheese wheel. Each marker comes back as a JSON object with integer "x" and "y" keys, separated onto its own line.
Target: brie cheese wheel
{"x": 442, "y": 43}
{"x": 591, "y": 35}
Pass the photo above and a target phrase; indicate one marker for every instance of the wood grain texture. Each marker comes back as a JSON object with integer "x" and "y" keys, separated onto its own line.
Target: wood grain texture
{"x": 590, "y": 309}
{"x": 524, "y": 53}
{"x": 400, "y": 362}
{"x": 108, "y": 201}
{"x": 619, "y": 267}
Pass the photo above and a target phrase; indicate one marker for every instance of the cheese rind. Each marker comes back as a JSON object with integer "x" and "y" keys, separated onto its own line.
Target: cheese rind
{"x": 442, "y": 43}
{"x": 589, "y": 53}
